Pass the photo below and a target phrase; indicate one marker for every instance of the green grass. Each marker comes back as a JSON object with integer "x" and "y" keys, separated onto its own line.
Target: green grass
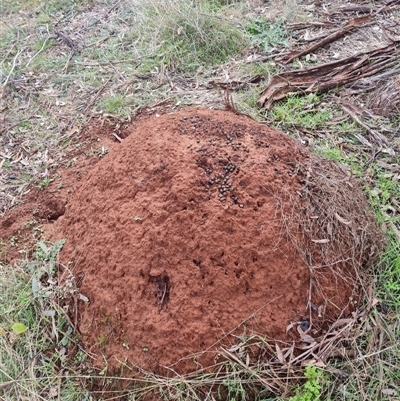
{"x": 115, "y": 105}
{"x": 388, "y": 274}
{"x": 373, "y": 371}
{"x": 373, "y": 374}
{"x": 384, "y": 195}
{"x": 305, "y": 111}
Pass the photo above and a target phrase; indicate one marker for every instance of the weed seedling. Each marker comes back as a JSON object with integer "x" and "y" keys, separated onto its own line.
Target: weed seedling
{"x": 311, "y": 389}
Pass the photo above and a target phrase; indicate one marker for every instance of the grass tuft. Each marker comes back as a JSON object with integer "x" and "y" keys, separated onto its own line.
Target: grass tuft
{"x": 185, "y": 35}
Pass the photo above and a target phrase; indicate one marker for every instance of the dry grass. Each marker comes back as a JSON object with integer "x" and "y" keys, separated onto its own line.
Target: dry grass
{"x": 335, "y": 229}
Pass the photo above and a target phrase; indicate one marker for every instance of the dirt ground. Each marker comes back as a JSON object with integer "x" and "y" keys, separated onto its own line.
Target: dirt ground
{"x": 176, "y": 238}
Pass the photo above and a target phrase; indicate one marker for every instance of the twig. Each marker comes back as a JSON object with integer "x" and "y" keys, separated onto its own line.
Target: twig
{"x": 229, "y": 355}
{"x": 10, "y": 382}
{"x": 65, "y": 69}
{"x": 68, "y": 41}
{"x": 59, "y": 385}
{"x": 119, "y": 139}
{"x": 41, "y": 49}
{"x": 11, "y": 71}
{"x": 96, "y": 95}
{"x": 16, "y": 124}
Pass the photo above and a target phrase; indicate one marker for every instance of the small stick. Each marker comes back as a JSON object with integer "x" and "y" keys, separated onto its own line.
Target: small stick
{"x": 163, "y": 296}
{"x": 68, "y": 41}
{"x": 119, "y": 139}
{"x": 41, "y": 49}
{"x": 9, "y": 74}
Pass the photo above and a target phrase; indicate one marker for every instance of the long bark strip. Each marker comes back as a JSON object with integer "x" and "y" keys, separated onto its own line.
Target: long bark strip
{"x": 349, "y": 26}
{"x": 331, "y": 75}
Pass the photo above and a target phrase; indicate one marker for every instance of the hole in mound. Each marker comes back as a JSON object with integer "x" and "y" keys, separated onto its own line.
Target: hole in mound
{"x": 177, "y": 289}
{"x": 50, "y": 209}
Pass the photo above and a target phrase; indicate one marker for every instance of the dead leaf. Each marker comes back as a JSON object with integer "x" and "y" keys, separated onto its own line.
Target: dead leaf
{"x": 375, "y": 301}
{"x": 307, "y": 362}
{"x": 321, "y": 310}
{"x": 288, "y": 352}
{"x": 305, "y": 337}
{"x": 83, "y": 298}
{"x": 279, "y": 354}
{"x": 234, "y": 348}
{"x": 342, "y": 220}
{"x": 389, "y": 391}
{"x": 321, "y": 241}
{"x": 329, "y": 229}
{"x": 341, "y": 322}
{"x": 290, "y": 326}
{"x": 53, "y": 392}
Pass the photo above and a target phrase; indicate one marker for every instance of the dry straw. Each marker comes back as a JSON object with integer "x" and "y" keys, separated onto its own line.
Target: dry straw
{"x": 385, "y": 100}
{"x": 333, "y": 228}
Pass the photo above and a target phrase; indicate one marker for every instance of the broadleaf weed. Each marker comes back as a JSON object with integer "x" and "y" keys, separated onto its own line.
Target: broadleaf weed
{"x": 311, "y": 389}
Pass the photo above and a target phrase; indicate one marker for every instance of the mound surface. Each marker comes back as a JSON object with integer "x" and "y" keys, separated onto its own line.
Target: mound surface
{"x": 178, "y": 241}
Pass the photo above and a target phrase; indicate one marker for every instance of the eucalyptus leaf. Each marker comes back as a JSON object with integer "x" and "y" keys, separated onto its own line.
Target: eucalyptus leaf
{"x": 19, "y": 328}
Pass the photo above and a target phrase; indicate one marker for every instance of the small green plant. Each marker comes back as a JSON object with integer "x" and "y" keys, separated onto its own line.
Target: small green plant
{"x": 311, "y": 389}
{"x": 3, "y": 249}
{"x": 101, "y": 341}
{"x": 329, "y": 152}
{"x": 42, "y": 19}
{"x": 13, "y": 240}
{"x": 32, "y": 327}
{"x": 43, "y": 184}
{"x": 266, "y": 35}
{"x": 46, "y": 252}
{"x": 235, "y": 390}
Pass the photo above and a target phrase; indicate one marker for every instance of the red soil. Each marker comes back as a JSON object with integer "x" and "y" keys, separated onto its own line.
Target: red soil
{"x": 177, "y": 239}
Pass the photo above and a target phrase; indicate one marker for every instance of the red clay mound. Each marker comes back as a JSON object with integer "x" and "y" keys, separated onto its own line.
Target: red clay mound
{"x": 178, "y": 240}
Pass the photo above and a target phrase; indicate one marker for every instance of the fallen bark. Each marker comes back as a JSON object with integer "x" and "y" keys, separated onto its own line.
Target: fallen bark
{"x": 331, "y": 75}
